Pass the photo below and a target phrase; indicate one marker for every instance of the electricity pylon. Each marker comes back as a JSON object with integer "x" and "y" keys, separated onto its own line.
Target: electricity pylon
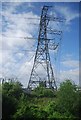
{"x": 42, "y": 71}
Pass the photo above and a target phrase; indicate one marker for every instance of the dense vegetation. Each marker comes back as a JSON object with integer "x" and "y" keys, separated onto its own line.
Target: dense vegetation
{"x": 42, "y": 103}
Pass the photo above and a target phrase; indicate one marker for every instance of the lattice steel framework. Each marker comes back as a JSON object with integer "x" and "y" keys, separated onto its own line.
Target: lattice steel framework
{"x": 42, "y": 57}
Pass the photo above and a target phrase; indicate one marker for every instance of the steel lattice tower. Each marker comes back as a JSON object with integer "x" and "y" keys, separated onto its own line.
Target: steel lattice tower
{"x": 42, "y": 57}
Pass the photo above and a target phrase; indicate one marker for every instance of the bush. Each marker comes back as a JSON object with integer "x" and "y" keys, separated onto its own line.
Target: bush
{"x": 43, "y": 92}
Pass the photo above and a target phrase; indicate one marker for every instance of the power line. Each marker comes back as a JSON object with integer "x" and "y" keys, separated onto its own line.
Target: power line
{"x": 42, "y": 52}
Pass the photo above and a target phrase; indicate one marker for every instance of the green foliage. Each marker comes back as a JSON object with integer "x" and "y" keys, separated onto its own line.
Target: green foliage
{"x": 42, "y": 104}
{"x": 43, "y": 92}
{"x": 23, "y": 109}
{"x": 27, "y": 111}
{"x": 67, "y": 97}
{"x": 8, "y": 107}
{"x": 13, "y": 89}
{"x": 58, "y": 116}
{"x": 11, "y": 92}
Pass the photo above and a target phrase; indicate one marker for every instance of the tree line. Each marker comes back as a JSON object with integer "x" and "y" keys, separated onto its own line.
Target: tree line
{"x": 42, "y": 103}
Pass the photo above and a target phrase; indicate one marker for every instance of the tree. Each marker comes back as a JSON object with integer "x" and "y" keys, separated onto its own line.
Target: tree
{"x": 42, "y": 104}
{"x": 67, "y": 98}
{"x": 27, "y": 110}
{"x": 23, "y": 109}
{"x": 11, "y": 92}
{"x": 42, "y": 91}
{"x": 13, "y": 89}
{"x": 8, "y": 107}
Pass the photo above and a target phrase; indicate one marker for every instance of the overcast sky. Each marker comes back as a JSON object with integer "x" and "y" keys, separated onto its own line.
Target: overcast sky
{"x": 14, "y": 61}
